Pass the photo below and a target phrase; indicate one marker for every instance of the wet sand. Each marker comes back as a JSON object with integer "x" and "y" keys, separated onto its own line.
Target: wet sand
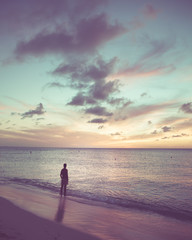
{"x": 30, "y": 214}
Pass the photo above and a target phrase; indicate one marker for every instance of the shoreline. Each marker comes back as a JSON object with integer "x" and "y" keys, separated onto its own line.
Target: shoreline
{"x": 74, "y": 217}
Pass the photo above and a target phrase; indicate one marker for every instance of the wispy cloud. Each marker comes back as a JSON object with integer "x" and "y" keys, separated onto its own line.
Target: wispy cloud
{"x": 54, "y": 85}
{"x": 132, "y": 112}
{"x": 98, "y": 120}
{"x": 39, "y": 110}
{"x": 150, "y": 12}
{"x": 141, "y": 70}
{"x": 157, "y": 48}
{"x": 53, "y": 135}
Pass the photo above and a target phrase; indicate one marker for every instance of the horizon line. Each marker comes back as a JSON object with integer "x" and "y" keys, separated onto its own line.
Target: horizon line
{"x": 135, "y": 148}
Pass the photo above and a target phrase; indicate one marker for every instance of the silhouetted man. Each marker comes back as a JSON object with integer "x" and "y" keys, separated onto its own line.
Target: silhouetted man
{"x": 64, "y": 179}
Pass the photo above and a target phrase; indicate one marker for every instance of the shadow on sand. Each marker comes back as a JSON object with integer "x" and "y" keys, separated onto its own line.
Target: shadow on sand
{"x": 60, "y": 211}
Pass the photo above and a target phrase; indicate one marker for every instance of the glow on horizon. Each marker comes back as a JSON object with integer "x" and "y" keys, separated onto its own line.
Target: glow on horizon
{"x": 103, "y": 74}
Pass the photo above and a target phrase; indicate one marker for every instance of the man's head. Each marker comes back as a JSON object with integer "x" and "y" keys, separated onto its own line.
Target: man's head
{"x": 64, "y": 165}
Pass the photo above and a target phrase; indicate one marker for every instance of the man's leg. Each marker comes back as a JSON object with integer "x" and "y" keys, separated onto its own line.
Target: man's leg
{"x": 61, "y": 189}
{"x": 65, "y": 189}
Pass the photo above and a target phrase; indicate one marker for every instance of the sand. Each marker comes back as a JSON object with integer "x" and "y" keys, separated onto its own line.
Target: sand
{"x": 28, "y": 214}
{"x": 17, "y": 223}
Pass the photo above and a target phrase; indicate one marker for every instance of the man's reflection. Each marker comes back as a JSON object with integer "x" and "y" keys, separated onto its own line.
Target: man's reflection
{"x": 60, "y": 211}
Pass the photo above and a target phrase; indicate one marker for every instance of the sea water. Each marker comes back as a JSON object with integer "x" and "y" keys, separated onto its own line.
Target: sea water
{"x": 150, "y": 180}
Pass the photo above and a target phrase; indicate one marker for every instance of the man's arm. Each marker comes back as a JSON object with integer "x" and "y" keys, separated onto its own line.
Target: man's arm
{"x": 67, "y": 176}
{"x": 61, "y": 174}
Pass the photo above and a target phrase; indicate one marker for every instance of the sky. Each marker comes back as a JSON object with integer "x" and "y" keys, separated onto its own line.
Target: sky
{"x": 96, "y": 73}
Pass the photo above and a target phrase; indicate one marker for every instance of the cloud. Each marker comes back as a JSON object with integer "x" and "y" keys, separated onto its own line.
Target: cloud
{"x": 91, "y": 77}
{"x": 87, "y": 71}
{"x": 151, "y": 62}
{"x": 72, "y": 68}
{"x": 84, "y": 7}
{"x": 38, "y": 119}
{"x": 180, "y": 135}
{"x": 99, "y": 111}
{"x": 87, "y": 36}
{"x": 166, "y": 129}
{"x": 38, "y": 111}
{"x": 144, "y": 94}
{"x": 56, "y": 136}
{"x": 100, "y": 69}
{"x": 154, "y": 132}
{"x": 98, "y": 120}
{"x": 81, "y": 100}
{"x": 149, "y": 11}
{"x": 184, "y": 124}
{"x": 78, "y": 100}
{"x": 171, "y": 120}
{"x": 132, "y": 112}
{"x": 95, "y": 31}
{"x": 115, "y": 134}
{"x": 157, "y": 48}
{"x": 19, "y": 15}
{"x": 55, "y": 84}
{"x": 101, "y": 90}
{"x": 116, "y": 101}
{"x": 165, "y": 138}
{"x": 142, "y": 70}
{"x": 186, "y": 108}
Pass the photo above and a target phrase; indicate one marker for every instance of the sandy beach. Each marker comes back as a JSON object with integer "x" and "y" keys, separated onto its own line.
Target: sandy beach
{"x": 17, "y": 223}
{"x": 30, "y": 214}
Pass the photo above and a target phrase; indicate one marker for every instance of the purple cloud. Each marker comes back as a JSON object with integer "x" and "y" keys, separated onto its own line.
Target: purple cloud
{"x": 86, "y": 71}
{"x": 101, "y": 90}
{"x": 78, "y": 100}
{"x": 150, "y": 12}
{"x": 116, "y": 101}
{"x": 101, "y": 69}
{"x": 157, "y": 48}
{"x": 89, "y": 34}
{"x": 16, "y": 16}
{"x": 98, "y": 120}
{"x": 187, "y": 107}
{"x": 46, "y": 42}
{"x": 20, "y": 15}
{"x": 166, "y": 129}
{"x": 133, "y": 112}
{"x": 55, "y": 85}
{"x": 91, "y": 77}
{"x": 180, "y": 135}
{"x": 99, "y": 111}
{"x": 84, "y": 7}
{"x": 63, "y": 69}
{"x": 39, "y": 110}
{"x": 96, "y": 31}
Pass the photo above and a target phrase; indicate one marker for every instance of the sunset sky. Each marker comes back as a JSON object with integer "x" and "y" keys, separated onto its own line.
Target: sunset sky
{"x": 96, "y": 73}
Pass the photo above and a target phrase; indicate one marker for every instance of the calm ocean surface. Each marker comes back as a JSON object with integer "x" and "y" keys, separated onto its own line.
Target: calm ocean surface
{"x": 156, "y": 181}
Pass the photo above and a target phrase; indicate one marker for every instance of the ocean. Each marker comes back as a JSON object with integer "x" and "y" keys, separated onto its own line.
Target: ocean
{"x": 157, "y": 181}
